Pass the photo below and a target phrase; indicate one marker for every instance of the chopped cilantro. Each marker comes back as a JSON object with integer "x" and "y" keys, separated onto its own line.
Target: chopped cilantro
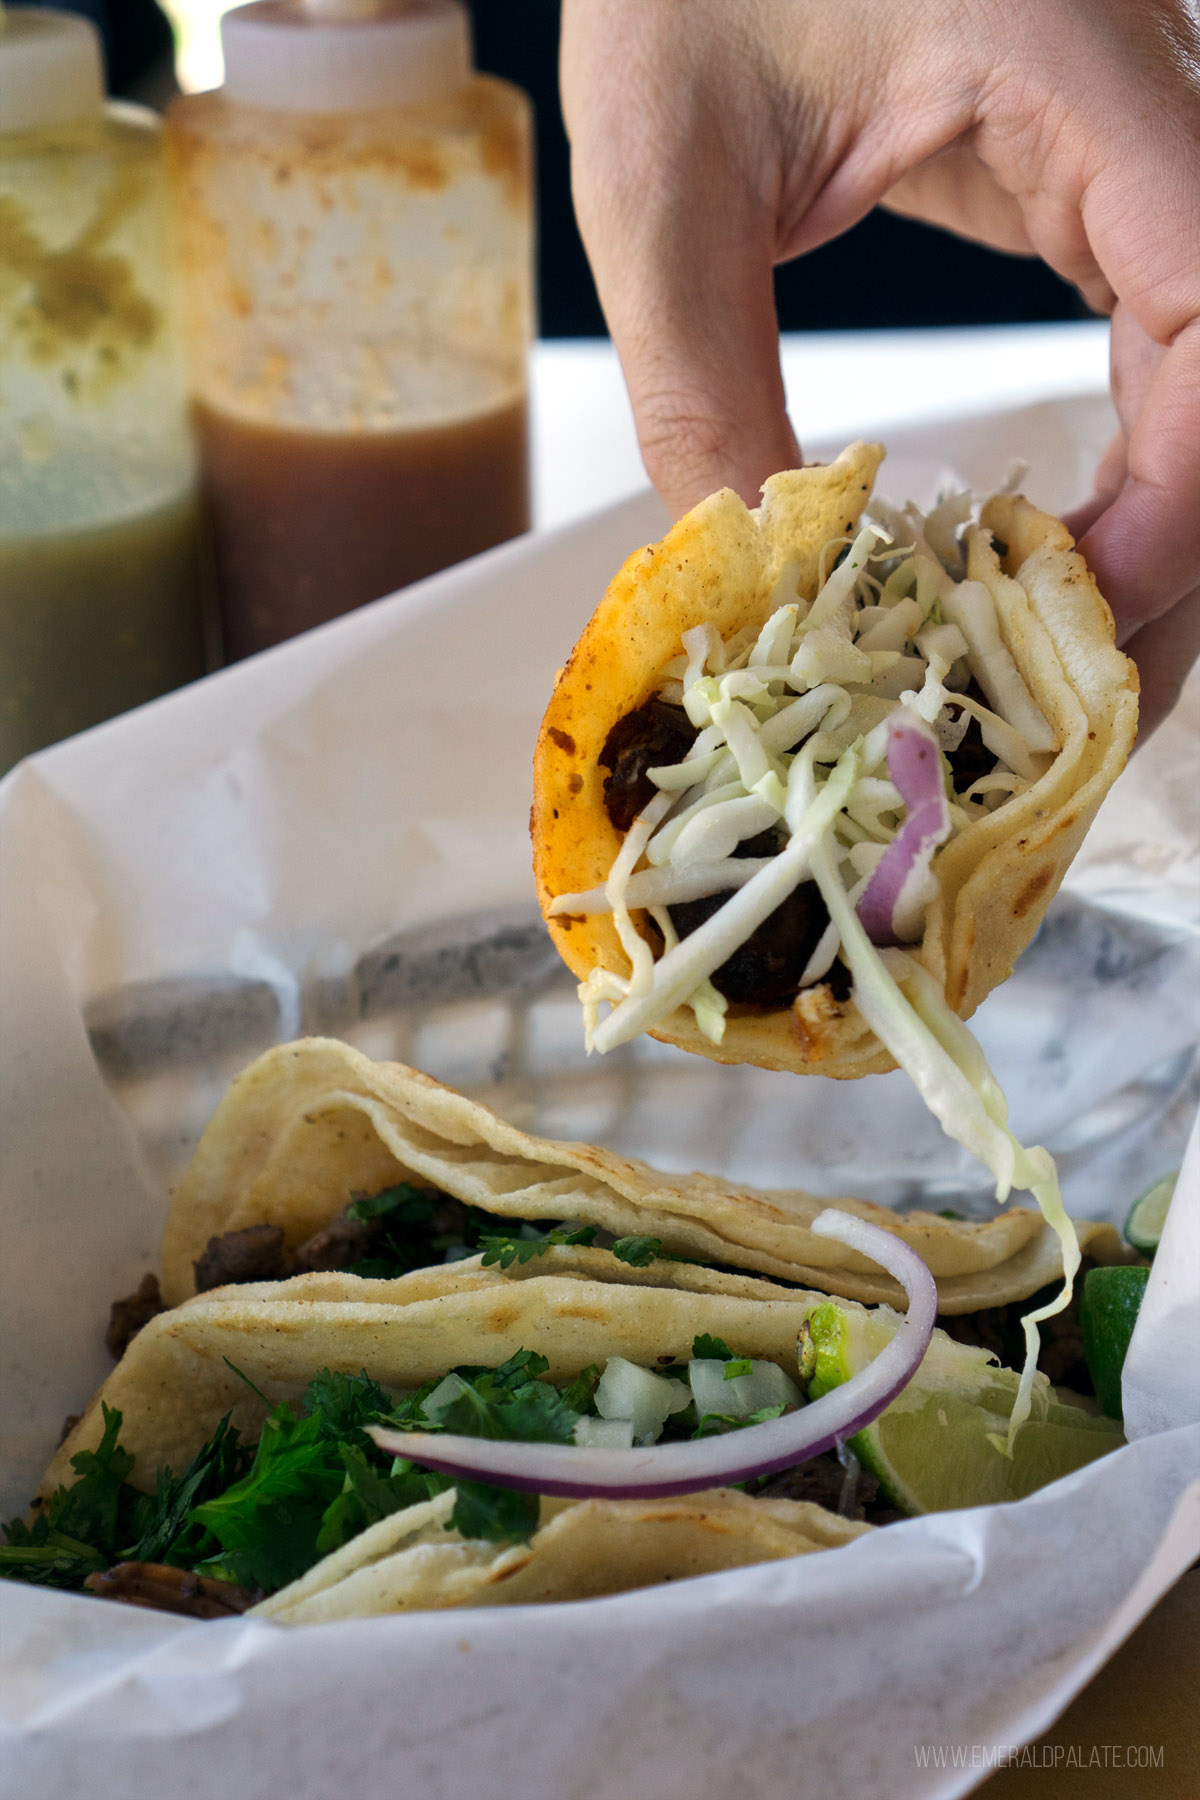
{"x": 504, "y": 1515}
{"x": 507, "y": 1250}
{"x": 165, "y": 1532}
{"x": 95, "y": 1508}
{"x": 508, "y": 1402}
{"x": 85, "y": 1525}
{"x": 578, "y": 1393}
{"x": 737, "y": 1365}
{"x": 265, "y": 1527}
{"x": 345, "y": 1403}
{"x": 711, "y": 1349}
{"x": 82, "y": 1525}
{"x": 420, "y": 1226}
{"x": 263, "y": 1516}
{"x": 713, "y": 1423}
{"x": 369, "y": 1495}
{"x": 638, "y": 1252}
{"x": 50, "y": 1558}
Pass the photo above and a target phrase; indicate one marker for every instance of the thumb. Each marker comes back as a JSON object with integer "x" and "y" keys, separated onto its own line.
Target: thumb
{"x": 681, "y": 241}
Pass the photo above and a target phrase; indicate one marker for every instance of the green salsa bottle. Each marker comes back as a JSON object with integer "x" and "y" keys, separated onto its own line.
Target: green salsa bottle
{"x": 101, "y": 590}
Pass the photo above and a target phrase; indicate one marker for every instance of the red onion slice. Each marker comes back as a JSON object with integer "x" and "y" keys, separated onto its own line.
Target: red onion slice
{"x": 892, "y": 905}
{"x": 708, "y": 1462}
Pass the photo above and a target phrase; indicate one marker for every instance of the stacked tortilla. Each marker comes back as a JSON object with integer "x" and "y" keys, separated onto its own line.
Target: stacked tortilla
{"x": 312, "y": 1125}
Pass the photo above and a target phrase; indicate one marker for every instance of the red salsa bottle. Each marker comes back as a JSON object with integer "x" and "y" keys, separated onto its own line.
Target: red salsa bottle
{"x": 356, "y": 229}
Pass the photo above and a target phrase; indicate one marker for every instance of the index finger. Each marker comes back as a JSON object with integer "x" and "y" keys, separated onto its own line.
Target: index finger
{"x": 1145, "y": 546}
{"x": 681, "y": 242}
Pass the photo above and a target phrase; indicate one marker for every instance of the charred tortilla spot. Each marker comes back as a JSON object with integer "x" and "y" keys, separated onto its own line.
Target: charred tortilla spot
{"x": 575, "y": 784}
{"x": 563, "y": 739}
{"x": 1032, "y": 891}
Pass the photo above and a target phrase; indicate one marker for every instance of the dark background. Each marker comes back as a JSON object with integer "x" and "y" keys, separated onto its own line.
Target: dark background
{"x": 887, "y": 271}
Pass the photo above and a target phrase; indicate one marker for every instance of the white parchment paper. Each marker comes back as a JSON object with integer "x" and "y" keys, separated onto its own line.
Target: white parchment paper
{"x": 333, "y": 837}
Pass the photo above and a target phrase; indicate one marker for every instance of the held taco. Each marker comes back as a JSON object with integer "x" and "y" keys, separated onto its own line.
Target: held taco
{"x": 924, "y": 712}
{"x": 314, "y": 1127}
{"x": 233, "y": 1457}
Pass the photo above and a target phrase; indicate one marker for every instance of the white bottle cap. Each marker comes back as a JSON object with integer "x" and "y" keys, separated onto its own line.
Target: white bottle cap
{"x": 345, "y": 56}
{"x": 51, "y": 69}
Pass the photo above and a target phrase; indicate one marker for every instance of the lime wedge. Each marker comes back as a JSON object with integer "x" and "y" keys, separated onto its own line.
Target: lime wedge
{"x": 935, "y": 1446}
{"x": 1108, "y": 1310}
{"x": 1148, "y": 1215}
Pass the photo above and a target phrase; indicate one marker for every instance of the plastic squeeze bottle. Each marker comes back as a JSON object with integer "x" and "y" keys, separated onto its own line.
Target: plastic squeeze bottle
{"x": 100, "y": 569}
{"x": 356, "y": 229}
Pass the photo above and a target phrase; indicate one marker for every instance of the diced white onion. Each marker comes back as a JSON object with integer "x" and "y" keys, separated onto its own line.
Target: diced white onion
{"x": 765, "y": 1385}
{"x": 604, "y": 1434}
{"x": 627, "y": 1391}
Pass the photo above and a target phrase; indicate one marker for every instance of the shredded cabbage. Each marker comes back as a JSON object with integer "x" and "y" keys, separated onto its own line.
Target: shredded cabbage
{"x": 697, "y": 957}
{"x": 792, "y": 723}
{"x": 946, "y": 1065}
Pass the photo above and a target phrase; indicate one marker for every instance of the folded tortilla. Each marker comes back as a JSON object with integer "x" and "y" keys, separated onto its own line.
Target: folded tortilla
{"x": 720, "y": 565}
{"x": 175, "y": 1383}
{"x": 242, "y": 1351}
{"x": 309, "y": 1125}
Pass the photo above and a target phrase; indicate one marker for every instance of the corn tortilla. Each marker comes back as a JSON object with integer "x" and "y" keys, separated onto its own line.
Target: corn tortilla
{"x": 310, "y": 1124}
{"x": 720, "y": 564}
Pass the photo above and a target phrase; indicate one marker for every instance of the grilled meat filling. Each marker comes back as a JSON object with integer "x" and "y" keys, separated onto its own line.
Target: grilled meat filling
{"x": 766, "y": 969}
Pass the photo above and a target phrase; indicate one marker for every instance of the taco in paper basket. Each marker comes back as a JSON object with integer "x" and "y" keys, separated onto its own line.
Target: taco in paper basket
{"x": 239, "y": 1455}
{"x": 318, "y": 1158}
{"x": 822, "y": 720}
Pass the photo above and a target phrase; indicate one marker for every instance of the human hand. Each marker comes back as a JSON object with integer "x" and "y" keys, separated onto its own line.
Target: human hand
{"x": 712, "y": 141}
